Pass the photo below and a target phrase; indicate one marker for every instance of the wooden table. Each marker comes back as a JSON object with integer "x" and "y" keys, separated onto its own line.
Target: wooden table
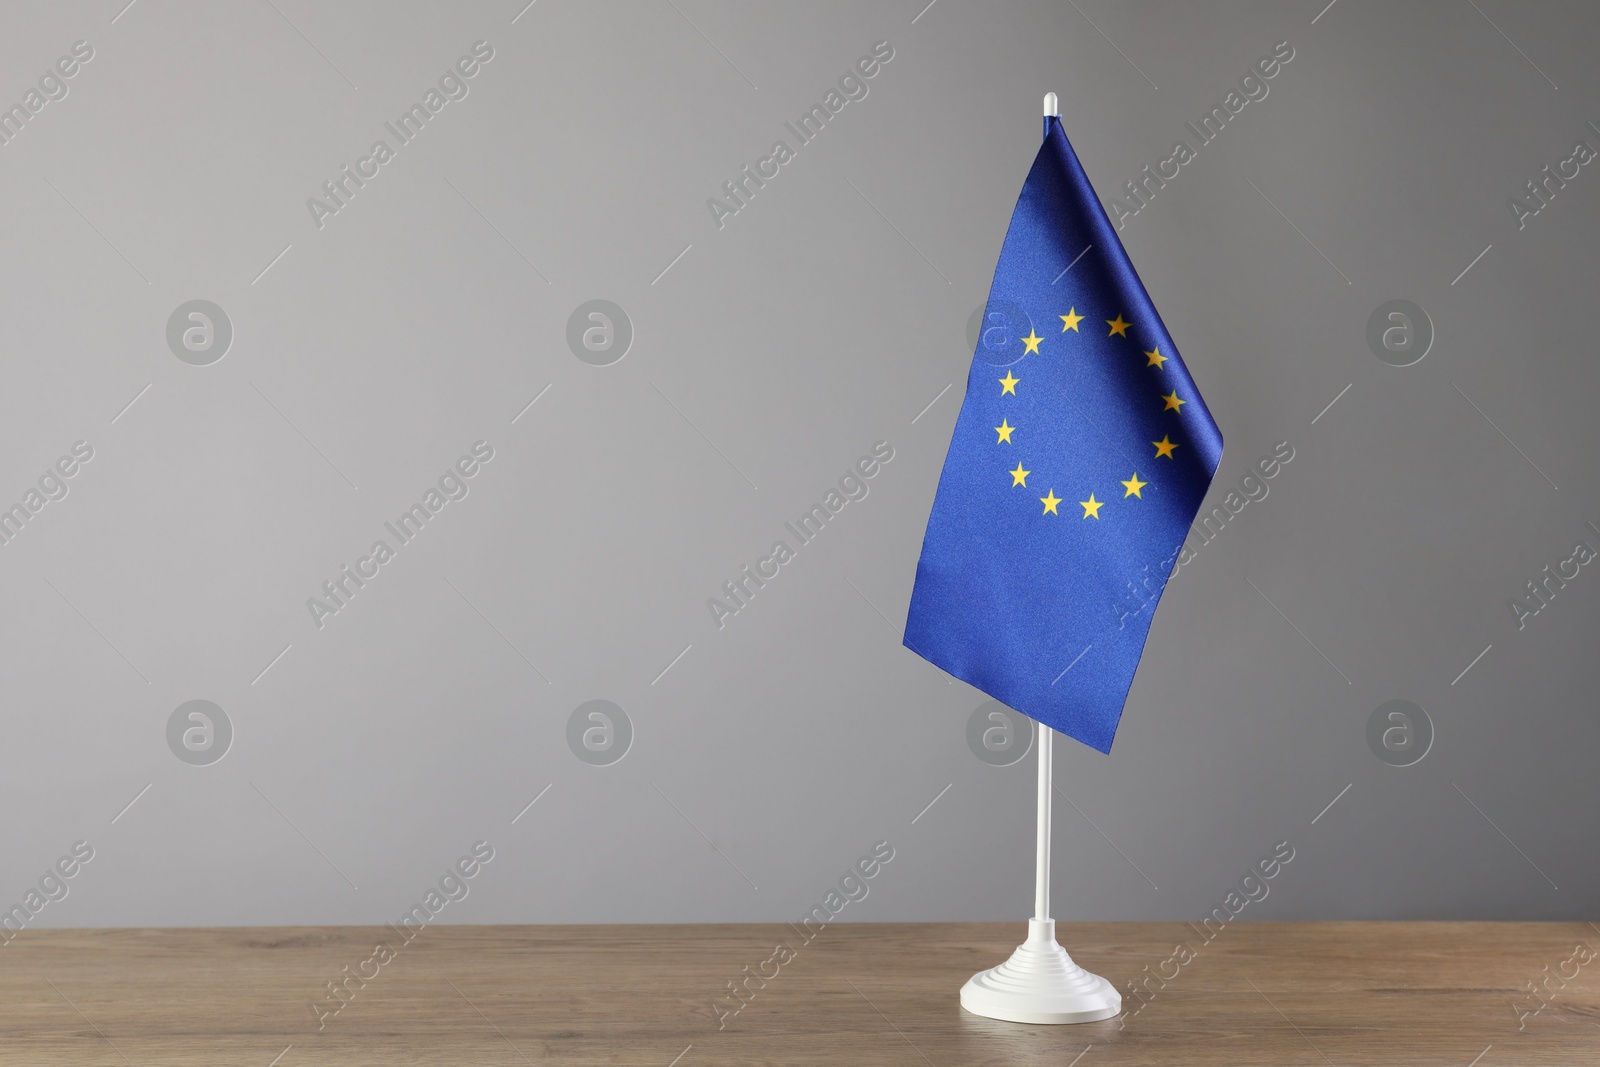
{"x": 1260, "y": 993}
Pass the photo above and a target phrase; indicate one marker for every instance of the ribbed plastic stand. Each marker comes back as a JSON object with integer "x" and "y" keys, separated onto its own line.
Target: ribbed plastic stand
{"x": 1040, "y": 984}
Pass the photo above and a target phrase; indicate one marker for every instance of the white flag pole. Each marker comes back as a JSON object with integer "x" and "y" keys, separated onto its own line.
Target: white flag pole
{"x": 1040, "y": 983}
{"x": 1041, "y": 878}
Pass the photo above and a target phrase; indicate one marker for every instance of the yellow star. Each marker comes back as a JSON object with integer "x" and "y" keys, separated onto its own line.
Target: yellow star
{"x": 1031, "y": 342}
{"x": 1156, "y": 358}
{"x": 1019, "y": 477}
{"x": 1008, "y": 384}
{"x": 1070, "y": 320}
{"x": 1118, "y": 326}
{"x": 1134, "y": 485}
{"x": 1173, "y": 403}
{"x": 1164, "y": 447}
{"x": 1050, "y": 502}
{"x": 1091, "y": 507}
{"x": 1004, "y": 430}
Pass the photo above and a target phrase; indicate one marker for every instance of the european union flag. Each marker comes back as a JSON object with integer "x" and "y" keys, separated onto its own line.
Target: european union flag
{"x": 1080, "y": 457}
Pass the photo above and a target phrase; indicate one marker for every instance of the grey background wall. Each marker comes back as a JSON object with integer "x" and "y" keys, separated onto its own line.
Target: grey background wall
{"x": 372, "y": 347}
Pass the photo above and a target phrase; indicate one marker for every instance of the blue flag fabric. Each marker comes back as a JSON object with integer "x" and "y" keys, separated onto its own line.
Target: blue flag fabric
{"x": 1079, "y": 460}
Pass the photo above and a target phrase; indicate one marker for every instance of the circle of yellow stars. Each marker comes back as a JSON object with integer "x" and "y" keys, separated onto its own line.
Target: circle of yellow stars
{"x": 1133, "y": 486}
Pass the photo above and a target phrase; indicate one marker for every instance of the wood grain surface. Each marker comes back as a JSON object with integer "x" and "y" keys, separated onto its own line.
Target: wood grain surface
{"x": 1452, "y": 994}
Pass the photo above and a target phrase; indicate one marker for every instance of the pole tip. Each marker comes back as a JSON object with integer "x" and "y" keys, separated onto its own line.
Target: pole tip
{"x": 1051, "y": 109}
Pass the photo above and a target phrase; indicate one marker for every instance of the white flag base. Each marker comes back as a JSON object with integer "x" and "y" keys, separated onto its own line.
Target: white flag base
{"x": 1040, "y": 984}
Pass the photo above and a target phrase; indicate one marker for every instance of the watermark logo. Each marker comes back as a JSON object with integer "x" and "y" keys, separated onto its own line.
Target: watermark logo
{"x": 52, "y": 887}
{"x": 1543, "y": 589}
{"x": 740, "y": 591}
{"x": 1253, "y": 88}
{"x": 199, "y": 332}
{"x": 599, "y": 333}
{"x": 450, "y": 888}
{"x": 1399, "y": 733}
{"x": 1252, "y": 488}
{"x": 199, "y": 732}
{"x": 1252, "y": 888}
{"x": 1540, "y": 996}
{"x": 741, "y": 189}
{"x": 1399, "y": 333}
{"x": 52, "y": 86}
{"x": 998, "y": 735}
{"x": 1538, "y": 191}
{"x": 454, "y": 84}
{"x": 851, "y": 887}
{"x": 454, "y": 484}
{"x": 52, "y": 485}
{"x": 599, "y": 732}
{"x": 995, "y": 332}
